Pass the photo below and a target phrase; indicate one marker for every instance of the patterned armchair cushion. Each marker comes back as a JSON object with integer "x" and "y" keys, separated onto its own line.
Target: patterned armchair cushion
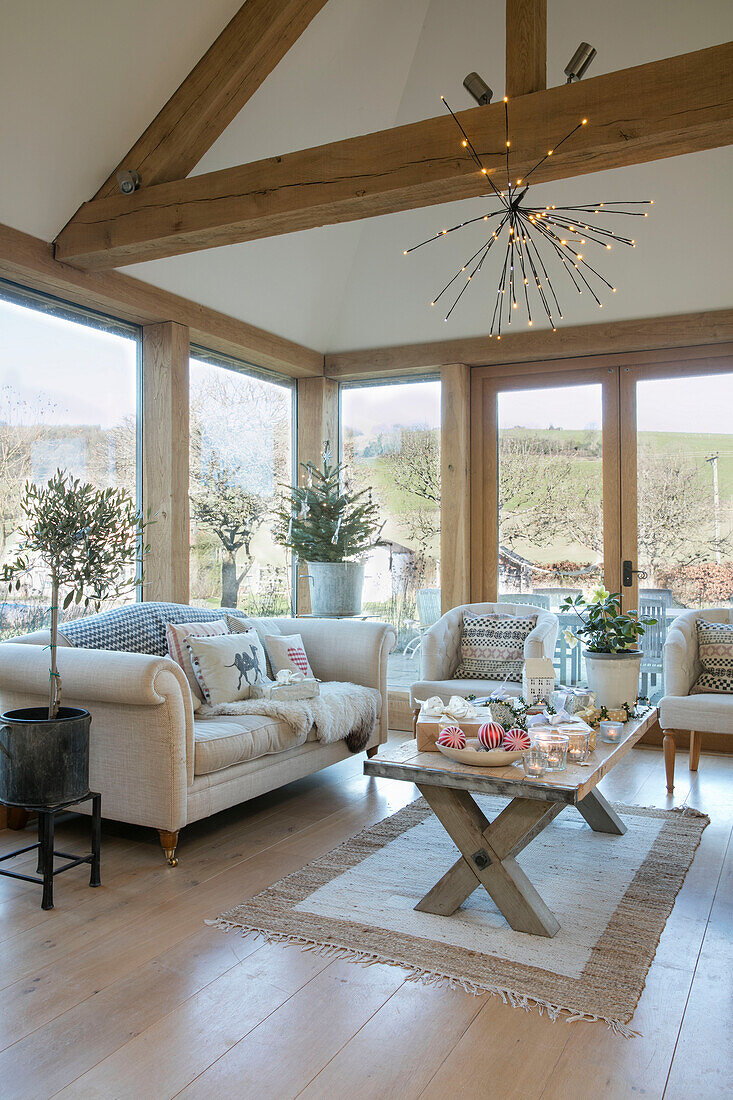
{"x": 715, "y": 653}
{"x": 492, "y": 646}
{"x": 138, "y": 627}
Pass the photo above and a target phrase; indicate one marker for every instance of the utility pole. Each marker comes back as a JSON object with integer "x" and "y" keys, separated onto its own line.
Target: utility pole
{"x": 713, "y": 460}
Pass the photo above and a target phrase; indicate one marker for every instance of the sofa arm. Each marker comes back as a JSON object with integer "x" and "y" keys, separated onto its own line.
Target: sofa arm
{"x": 346, "y": 649}
{"x": 141, "y": 744}
{"x": 679, "y": 663}
{"x": 540, "y": 642}
{"x": 440, "y": 648}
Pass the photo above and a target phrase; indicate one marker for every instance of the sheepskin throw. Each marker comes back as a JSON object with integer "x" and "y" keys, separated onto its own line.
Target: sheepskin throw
{"x": 342, "y": 712}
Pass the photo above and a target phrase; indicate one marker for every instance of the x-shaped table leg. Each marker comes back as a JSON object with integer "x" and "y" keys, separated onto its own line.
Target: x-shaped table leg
{"x": 488, "y": 852}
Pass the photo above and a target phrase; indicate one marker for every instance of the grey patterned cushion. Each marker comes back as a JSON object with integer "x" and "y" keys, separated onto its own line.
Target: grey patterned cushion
{"x": 492, "y": 646}
{"x": 138, "y": 627}
{"x": 715, "y": 650}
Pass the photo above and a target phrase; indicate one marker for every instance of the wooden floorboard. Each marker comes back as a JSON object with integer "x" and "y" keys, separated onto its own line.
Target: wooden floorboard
{"x": 124, "y": 992}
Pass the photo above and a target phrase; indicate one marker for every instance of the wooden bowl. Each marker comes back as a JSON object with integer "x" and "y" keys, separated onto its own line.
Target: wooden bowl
{"x": 477, "y": 757}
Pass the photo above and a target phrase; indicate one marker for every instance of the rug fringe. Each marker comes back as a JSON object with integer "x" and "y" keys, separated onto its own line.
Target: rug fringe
{"x": 424, "y": 977}
{"x": 688, "y": 811}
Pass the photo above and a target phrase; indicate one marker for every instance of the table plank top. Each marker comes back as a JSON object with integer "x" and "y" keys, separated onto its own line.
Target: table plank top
{"x": 403, "y": 761}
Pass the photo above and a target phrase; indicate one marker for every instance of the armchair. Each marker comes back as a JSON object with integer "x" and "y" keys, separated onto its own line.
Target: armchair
{"x": 679, "y": 710}
{"x": 440, "y": 653}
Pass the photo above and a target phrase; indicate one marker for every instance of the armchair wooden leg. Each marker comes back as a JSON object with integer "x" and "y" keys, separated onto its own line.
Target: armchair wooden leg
{"x": 669, "y": 751}
{"x": 372, "y": 751}
{"x": 695, "y": 744}
{"x": 169, "y": 842}
{"x": 415, "y": 713}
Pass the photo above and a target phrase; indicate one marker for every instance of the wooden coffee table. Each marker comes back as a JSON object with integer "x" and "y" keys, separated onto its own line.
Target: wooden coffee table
{"x": 489, "y": 849}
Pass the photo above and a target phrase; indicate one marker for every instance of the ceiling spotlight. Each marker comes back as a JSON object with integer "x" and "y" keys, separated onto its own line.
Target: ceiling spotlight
{"x": 578, "y": 64}
{"x": 128, "y": 180}
{"x": 479, "y": 89}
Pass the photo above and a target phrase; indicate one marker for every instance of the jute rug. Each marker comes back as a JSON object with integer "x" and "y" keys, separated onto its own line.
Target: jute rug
{"x": 612, "y": 896}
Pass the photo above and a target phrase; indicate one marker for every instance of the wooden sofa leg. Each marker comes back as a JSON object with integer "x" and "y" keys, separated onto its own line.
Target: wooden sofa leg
{"x": 695, "y": 745}
{"x": 669, "y": 751}
{"x": 372, "y": 751}
{"x": 169, "y": 842}
{"x": 415, "y": 715}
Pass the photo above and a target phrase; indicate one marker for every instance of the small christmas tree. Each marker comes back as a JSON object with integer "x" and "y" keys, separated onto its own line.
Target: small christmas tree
{"x": 323, "y": 520}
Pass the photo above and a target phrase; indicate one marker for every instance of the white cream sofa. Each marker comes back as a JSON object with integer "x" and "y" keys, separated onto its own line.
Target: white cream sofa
{"x": 679, "y": 710}
{"x": 152, "y": 760}
{"x": 440, "y": 652}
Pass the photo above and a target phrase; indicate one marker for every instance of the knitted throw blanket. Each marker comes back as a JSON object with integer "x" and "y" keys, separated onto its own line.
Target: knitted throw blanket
{"x": 342, "y": 712}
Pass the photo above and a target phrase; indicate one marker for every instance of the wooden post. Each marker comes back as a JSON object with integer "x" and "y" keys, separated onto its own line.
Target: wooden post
{"x": 455, "y": 477}
{"x": 526, "y": 47}
{"x": 318, "y": 421}
{"x": 165, "y": 460}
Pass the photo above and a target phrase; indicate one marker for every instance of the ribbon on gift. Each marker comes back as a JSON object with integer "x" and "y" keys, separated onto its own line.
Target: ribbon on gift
{"x": 456, "y": 708}
{"x": 289, "y": 676}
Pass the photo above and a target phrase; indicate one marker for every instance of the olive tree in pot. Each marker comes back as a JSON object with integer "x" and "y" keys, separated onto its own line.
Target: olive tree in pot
{"x": 612, "y": 659}
{"x": 331, "y": 528}
{"x": 89, "y": 541}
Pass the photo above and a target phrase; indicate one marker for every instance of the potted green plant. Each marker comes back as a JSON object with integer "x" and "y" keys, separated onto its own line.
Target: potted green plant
{"x": 612, "y": 659}
{"x": 331, "y": 528}
{"x": 89, "y": 542}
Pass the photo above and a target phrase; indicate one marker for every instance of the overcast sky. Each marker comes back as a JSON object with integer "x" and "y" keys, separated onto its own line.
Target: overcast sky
{"x": 90, "y": 376}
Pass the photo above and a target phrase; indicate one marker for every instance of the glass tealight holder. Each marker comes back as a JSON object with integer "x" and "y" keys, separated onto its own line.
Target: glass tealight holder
{"x": 534, "y": 761}
{"x": 611, "y": 731}
{"x": 555, "y": 747}
{"x": 578, "y": 746}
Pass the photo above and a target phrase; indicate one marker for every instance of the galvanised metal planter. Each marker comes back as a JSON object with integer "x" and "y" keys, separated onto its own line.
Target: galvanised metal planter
{"x": 336, "y": 587}
{"x": 44, "y": 761}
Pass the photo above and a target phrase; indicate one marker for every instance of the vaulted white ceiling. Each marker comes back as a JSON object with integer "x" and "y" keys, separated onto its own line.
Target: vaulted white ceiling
{"x": 79, "y": 81}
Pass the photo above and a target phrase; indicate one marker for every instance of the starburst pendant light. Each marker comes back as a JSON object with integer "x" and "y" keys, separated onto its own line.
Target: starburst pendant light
{"x": 538, "y": 239}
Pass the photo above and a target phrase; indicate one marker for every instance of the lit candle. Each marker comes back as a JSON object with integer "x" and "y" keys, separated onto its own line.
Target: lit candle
{"x": 578, "y": 747}
{"x": 535, "y": 762}
{"x": 611, "y": 732}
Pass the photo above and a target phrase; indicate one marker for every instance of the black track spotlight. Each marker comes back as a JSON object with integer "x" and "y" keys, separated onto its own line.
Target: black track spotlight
{"x": 578, "y": 64}
{"x": 478, "y": 88}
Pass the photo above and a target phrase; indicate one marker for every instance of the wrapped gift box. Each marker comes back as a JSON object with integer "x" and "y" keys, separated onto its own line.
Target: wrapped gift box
{"x": 429, "y": 727}
{"x": 285, "y": 693}
{"x": 572, "y": 699}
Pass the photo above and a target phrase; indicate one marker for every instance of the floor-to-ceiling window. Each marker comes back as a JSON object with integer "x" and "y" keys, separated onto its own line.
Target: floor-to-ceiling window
{"x": 241, "y": 454}
{"x": 69, "y": 401}
{"x": 390, "y": 440}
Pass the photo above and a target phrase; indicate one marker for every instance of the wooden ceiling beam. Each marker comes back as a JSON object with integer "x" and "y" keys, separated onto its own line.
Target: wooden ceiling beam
{"x": 682, "y": 330}
{"x": 29, "y": 261}
{"x": 526, "y": 47}
{"x": 216, "y": 89}
{"x": 661, "y": 109}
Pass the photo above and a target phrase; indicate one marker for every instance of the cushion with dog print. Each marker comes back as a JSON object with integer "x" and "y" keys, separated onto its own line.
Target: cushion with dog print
{"x": 288, "y": 651}
{"x": 227, "y": 666}
{"x": 176, "y": 634}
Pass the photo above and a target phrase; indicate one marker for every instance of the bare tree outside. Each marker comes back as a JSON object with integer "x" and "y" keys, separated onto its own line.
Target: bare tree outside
{"x": 239, "y": 455}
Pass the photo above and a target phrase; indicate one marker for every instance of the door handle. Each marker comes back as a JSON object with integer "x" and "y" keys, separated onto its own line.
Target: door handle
{"x": 628, "y": 572}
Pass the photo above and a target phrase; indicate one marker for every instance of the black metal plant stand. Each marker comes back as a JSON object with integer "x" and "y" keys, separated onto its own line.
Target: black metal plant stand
{"x": 46, "y": 852}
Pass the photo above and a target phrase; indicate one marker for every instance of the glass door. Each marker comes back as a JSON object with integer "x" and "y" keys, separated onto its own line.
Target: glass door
{"x": 552, "y": 481}
{"x": 678, "y": 517}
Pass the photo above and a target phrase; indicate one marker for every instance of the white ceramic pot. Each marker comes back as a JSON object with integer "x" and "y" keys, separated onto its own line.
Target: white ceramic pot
{"x": 614, "y": 677}
{"x": 336, "y": 587}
